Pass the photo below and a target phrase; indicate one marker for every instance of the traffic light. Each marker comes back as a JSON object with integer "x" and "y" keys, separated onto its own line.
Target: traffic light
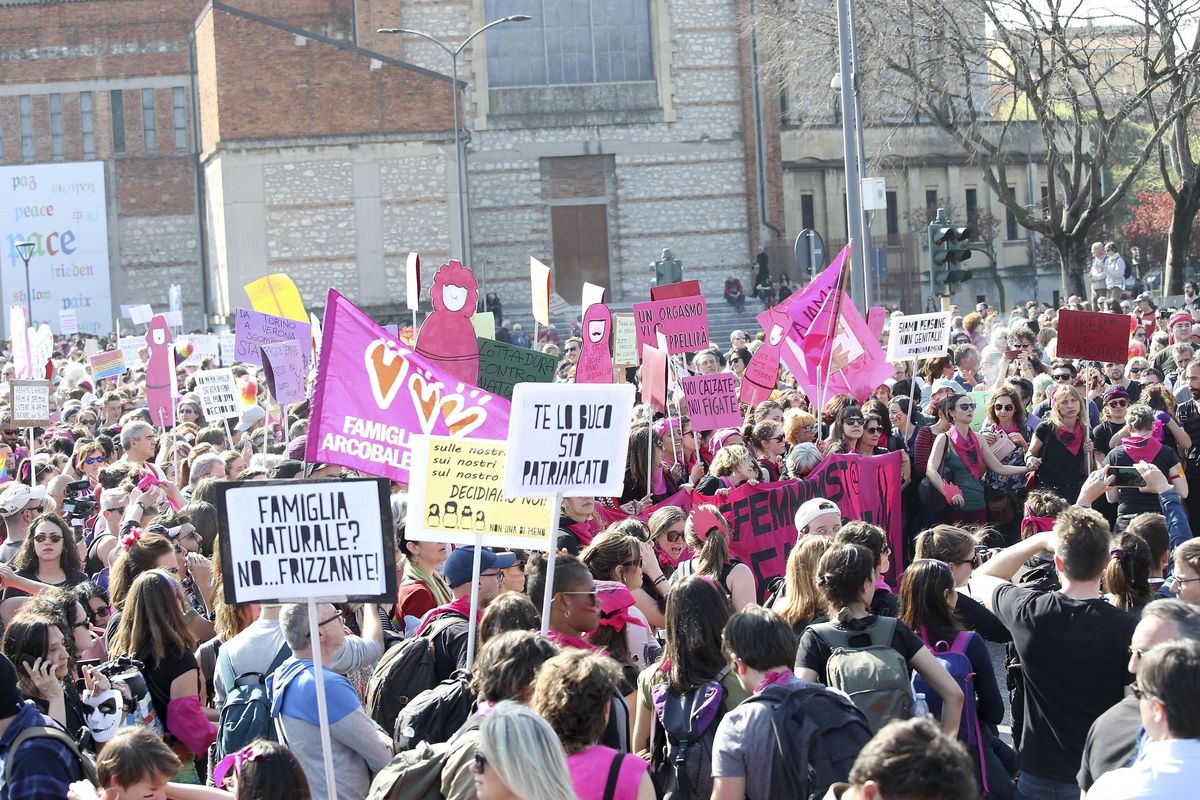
{"x": 947, "y": 251}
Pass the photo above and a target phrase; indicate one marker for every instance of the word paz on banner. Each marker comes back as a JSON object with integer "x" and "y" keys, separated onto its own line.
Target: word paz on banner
{"x": 447, "y": 337}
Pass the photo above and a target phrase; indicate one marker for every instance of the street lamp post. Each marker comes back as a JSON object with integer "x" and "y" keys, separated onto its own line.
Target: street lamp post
{"x": 25, "y": 251}
{"x": 464, "y": 212}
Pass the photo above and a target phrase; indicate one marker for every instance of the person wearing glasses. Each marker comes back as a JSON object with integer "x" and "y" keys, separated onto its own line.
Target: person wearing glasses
{"x": 1007, "y": 434}
{"x": 928, "y": 598}
{"x": 965, "y": 457}
{"x": 666, "y": 526}
{"x": 1169, "y": 765}
{"x": 48, "y": 556}
{"x": 771, "y": 447}
{"x": 113, "y": 505}
{"x": 359, "y": 748}
{"x": 566, "y": 368}
{"x": 1185, "y": 583}
{"x": 519, "y": 757}
{"x": 1022, "y": 357}
{"x": 848, "y": 427}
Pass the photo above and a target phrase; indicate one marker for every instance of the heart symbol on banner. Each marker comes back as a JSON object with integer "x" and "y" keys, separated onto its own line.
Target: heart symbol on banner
{"x": 426, "y": 399}
{"x": 461, "y": 421}
{"x": 386, "y": 368}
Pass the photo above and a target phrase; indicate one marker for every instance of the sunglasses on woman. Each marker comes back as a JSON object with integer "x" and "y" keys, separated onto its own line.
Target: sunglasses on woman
{"x": 1004, "y": 407}
{"x": 874, "y": 429}
{"x": 94, "y": 460}
{"x": 855, "y": 420}
{"x": 1118, "y": 403}
{"x": 53, "y": 538}
{"x": 673, "y": 536}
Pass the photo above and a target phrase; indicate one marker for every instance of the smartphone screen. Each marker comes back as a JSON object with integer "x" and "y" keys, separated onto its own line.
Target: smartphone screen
{"x": 1126, "y": 477}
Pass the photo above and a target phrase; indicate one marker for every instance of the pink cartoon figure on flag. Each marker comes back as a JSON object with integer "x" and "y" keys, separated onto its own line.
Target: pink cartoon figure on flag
{"x": 160, "y": 373}
{"x": 595, "y": 363}
{"x": 762, "y": 373}
{"x": 447, "y": 338}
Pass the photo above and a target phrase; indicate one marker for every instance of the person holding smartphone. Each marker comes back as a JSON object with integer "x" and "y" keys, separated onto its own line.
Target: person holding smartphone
{"x": 1140, "y": 446}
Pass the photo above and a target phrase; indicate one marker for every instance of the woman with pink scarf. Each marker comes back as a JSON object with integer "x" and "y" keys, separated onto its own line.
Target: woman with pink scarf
{"x": 1140, "y": 445}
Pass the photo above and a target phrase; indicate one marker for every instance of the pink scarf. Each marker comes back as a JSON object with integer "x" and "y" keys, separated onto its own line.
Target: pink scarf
{"x": 1072, "y": 440}
{"x": 460, "y": 606}
{"x": 584, "y": 531}
{"x": 1142, "y": 448}
{"x": 781, "y": 678}
{"x": 567, "y": 640}
{"x": 968, "y": 450}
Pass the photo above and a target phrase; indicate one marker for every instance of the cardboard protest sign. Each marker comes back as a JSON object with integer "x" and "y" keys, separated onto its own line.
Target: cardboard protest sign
{"x": 412, "y": 281}
{"x": 276, "y": 295}
{"x": 108, "y": 364}
{"x": 131, "y": 350}
{"x": 712, "y": 401}
{"x": 30, "y": 403}
{"x": 447, "y": 338}
{"x": 595, "y": 364}
{"x": 218, "y": 394}
{"x": 654, "y": 377}
{"x": 373, "y": 394}
{"x": 285, "y": 372}
{"x": 568, "y": 438}
{"x": 68, "y": 323}
{"x": 761, "y": 377}
{"x": 671, "y": 290}
{"x": 484, "y": 323}
{"x": 762, "y": 517}
{"x": 539, "y": 284}
{"x": 502, "y": 366}
{"x": 459, "y": 493}
{"x": 253, "y": 330}
{"x": 286, "y": 540}
{"x": 919, "y": 336}
{"x": 204, "y": 346}
{"x": 227, "y": 345}
{"x": 91, "y": 346}
{"x": 141, "y": 314}
{"x": 160, "y": 374}
{"x": 1093, "y": 336}
{"x": 625, "y": 342}
{"x": 591, "y": 294}
{"x": 683, "y": 320}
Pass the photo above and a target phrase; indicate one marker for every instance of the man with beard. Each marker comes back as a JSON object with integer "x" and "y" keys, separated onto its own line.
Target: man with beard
{"x": 1189, "y": 418}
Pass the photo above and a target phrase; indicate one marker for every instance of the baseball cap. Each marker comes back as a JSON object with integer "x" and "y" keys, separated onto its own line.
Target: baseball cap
{"x": 17, "y": 496}
{"x": 250, "y": 416}
{"x": 813, "y": 509}
{"x": 945, "y": 383}
{"x": 458, "y": 565}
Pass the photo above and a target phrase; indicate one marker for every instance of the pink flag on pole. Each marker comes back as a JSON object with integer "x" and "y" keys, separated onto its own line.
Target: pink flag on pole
{"x": 373, "y": 394}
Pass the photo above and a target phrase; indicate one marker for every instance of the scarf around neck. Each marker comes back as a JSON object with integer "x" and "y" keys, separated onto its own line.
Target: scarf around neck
{"x": 1142, "y": 448}
{"x": 968, "y": 450}
{"x": 434, "y": 582}
{"x": 1072, "y": 440}
{"x": 459, "y": 607}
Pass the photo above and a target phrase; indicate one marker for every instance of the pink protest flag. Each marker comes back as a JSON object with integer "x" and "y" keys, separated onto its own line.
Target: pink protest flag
{"x": 373, "y": 394}
{"x": 160, "y": 373}
{"x": 761, "y": 377}
{"x": 876, "y": 319}
{"x": 853, "y": 361}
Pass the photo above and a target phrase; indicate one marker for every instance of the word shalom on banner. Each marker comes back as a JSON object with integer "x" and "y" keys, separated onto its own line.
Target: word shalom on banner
{"x": 461, "y": 494}
{"x": 568, "y": 439}
{"x": 296, "y": 540}
{"x": 682, "y": 320}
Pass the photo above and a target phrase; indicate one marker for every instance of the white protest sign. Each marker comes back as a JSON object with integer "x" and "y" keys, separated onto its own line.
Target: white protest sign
{"x": 30, "y": 403}
{"x": 919, "y": 336}
{"x": 289, "y": 540}
{"x": 68, "y": 322}
{"x": 459, "y": 495}
{"x": 130, "y": 345}
{"x": 227, "y": 343}
{"x": 568, "y": 439}
{"x": 204, "y": 345}
{"x": 141, "y": 314}
{"x": 218, "y": 394}
{"x": 174, "y": 318}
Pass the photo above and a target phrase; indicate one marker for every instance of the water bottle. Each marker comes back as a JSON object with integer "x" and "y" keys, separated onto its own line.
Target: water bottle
{"x": 920, "y": 707}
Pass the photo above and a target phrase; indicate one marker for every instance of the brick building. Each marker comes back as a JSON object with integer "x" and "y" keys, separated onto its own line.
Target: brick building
{"x": 598, "y": 133}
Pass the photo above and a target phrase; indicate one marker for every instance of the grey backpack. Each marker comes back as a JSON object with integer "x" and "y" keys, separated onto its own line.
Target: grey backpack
{"x": 864, "y": 665}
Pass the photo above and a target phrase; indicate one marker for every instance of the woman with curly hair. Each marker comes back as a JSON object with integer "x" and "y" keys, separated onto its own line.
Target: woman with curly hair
{"x": 731, "y": 467}
{"x": 48, "y": 555}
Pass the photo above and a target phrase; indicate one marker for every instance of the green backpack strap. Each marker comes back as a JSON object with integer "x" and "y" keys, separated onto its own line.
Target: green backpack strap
{"x": 880, "y": 633}
{"x": 46, "y": 732}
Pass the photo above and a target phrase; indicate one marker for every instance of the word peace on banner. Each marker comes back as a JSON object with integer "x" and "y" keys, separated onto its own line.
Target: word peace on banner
{"x": 285, "y": 541}
{"x": 458, "y": 492}
{"x": 762, "y": 517}
{"x": 568, "y": 438}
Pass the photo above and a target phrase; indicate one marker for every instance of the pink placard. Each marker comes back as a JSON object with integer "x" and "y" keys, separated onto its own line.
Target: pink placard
{"x": 712, "y": 401}
{"x": 683, "y": 320}
{"x": 654, "y": 377}
{"x": 160, "y": 373}
{"x": 595, "y": 363}
{"x": 373, "y": 394}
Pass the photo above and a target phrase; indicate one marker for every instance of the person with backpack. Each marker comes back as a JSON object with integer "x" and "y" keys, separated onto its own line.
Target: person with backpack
{"x": 867, "y": 656}
{"x": 691, "y": 675}
{"x": 573, "y": 692}
{"x": 790, "y": 738}
{"x": 450, "y": 619}
{"x": 359, "y": 747}
{"x": 707, "y": 533}
{"x": 927, "y": 600}
{"x": 38, "y": 760}
{"x": 906, "y": 761}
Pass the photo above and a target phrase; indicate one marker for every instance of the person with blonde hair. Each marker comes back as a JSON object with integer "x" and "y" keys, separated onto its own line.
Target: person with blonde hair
{"x": 731, "y": 467}
{"x": 800, "y": 602}
{"x": 519, "y": 757}
{"x": 1061, "y": 446}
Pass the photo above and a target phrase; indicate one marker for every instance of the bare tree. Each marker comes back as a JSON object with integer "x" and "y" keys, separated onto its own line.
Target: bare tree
{"x": 1010, "y": 81}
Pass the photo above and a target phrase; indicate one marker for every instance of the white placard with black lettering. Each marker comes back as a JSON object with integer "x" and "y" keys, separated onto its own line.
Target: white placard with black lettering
{"x": 30, "y": 403}
{"x": 218, "y": 394}
{"x": 285, "y": 541}
{"x": 568, "y": 439}
{"x": 130, "y": 350}
{"x": 919, "y": 336}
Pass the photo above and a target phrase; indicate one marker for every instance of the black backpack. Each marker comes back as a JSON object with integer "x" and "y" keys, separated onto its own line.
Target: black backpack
{"x": 436, "y": 714}
{"x": 87, "y": 767}
{"x": 817, "y": 735}
{"x": 404, "y": 671}
{"x": 681, "y": 746}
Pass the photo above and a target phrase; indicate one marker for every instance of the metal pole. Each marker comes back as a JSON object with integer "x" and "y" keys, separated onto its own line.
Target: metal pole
{"x": 854, "y": 214}
{"x": 862, "y": 160}
{"x": 28, "y": 294}
{"x": 459, "y": 165}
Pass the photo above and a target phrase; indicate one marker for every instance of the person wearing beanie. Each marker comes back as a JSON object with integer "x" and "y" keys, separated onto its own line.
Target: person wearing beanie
{"x": 1180, "y": 326}
{"x": 46, "y": 764}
